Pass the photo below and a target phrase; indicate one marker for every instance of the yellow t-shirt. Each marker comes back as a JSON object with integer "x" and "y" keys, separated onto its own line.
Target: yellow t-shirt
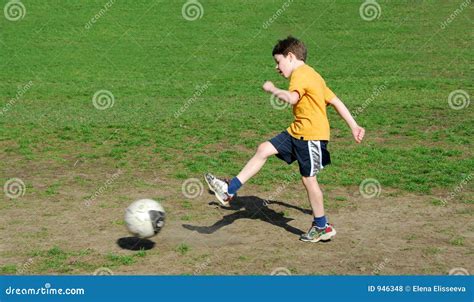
{"x": 311, "y": 122}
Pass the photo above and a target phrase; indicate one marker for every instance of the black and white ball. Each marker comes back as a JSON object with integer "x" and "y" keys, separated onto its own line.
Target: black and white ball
{"x": 145, "y": 218}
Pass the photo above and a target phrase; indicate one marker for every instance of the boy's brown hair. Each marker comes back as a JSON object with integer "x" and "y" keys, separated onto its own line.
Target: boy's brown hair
{"x": 293, "y": 45}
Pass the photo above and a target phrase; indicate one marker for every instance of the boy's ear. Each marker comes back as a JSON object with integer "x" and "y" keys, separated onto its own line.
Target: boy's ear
{"x": 291, "y": 56}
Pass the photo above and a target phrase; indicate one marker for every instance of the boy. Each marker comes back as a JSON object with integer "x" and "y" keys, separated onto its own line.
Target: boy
{"x": 305, "y": 140}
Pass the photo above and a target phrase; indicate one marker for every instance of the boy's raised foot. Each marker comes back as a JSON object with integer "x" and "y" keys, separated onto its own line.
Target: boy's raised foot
{"x": 219, "y": 187}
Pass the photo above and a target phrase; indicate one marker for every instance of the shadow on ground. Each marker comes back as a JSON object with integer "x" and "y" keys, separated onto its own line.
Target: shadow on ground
{"x": 135, "y": 243}
{"x": 251, "y": 207}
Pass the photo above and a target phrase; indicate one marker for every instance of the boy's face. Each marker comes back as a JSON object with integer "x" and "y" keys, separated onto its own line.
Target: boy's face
{"x": 284, "y": 65}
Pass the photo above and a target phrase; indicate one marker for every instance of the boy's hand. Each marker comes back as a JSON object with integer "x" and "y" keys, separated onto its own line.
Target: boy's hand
{"x": 268, "y": 86}
{"x": 358, "y": 133}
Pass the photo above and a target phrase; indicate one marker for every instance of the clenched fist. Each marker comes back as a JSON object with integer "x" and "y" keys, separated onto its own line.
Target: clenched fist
{"x": 268, "y": 86}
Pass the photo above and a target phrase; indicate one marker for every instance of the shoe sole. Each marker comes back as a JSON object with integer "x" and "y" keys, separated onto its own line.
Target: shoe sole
{"x": 222, "y": 202}
{"x": 323, "y": 237}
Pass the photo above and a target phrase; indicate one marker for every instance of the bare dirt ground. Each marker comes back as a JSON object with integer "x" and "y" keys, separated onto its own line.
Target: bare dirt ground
{"x": 395, "y": 233}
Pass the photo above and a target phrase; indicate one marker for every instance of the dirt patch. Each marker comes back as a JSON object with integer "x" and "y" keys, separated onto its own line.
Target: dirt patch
{"x": 389, "y": 234}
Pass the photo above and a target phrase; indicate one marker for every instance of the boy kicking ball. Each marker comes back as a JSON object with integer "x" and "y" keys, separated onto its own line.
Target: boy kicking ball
{"x": 305, "y": 140}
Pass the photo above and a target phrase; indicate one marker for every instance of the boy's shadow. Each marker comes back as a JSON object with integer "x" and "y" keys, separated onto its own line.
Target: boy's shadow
{"x": 251, "y": 207}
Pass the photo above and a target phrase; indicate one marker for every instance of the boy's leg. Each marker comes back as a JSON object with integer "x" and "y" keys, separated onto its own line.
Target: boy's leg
{"x": 320, "y": 229}
{"x": 315, "y": 195}
{"x": 280, "y": 145}
{"x": 225, "y": 190}
{"x": 264, "y": 151}
{"x": 312, "y": 158}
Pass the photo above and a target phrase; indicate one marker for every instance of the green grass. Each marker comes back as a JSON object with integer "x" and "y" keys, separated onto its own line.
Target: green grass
{"x": 186, "y": 217}
{"x": 58, "y": 260}
{"x": 151, "y": 59}
{"x": 183, "y": 249}
{"x": 118, "y": 222}
{"x": 438, "y": 202}
{"x": 121, "y": 259}
{"x": 411, "y": 237}
{"x": 52, "y": 189}
{"x": 141, "y": 253}
{"x": 429, "y": 251}
{"x": 458, "y": 241}
{"x": 186, "y": 204}
{"x": 8, "y": 269}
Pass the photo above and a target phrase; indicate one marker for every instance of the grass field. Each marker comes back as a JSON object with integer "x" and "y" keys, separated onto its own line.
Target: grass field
{"x": 184, "y": 97}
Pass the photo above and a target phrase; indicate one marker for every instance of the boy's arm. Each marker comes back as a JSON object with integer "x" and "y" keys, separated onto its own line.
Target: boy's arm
{"x": 291, "y": 97}
{"x": 357, "y": 131}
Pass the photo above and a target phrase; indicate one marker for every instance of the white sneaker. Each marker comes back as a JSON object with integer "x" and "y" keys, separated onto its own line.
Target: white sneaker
{"x": 219, "y": 187}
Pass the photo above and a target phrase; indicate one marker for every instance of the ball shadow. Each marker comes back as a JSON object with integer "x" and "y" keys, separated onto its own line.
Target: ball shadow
{"x": 135, "y": 243}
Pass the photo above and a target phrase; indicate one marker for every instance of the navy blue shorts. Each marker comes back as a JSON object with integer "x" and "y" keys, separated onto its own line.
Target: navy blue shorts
{"x": 312, "y": 156}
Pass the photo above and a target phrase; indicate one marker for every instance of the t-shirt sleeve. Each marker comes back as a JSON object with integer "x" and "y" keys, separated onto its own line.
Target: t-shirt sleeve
{"x": 328, "y": 94}
{"x": 298, "y": 84}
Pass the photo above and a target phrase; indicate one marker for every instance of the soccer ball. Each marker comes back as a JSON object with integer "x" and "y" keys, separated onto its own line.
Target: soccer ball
{"x": 145, "y": 218}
